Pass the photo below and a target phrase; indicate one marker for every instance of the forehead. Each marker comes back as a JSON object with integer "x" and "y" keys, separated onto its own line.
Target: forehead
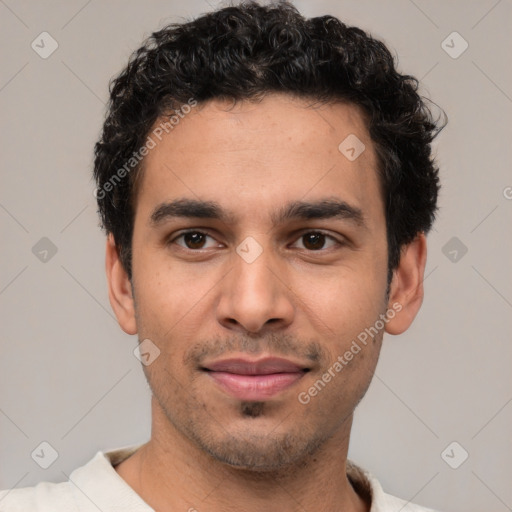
{"x": 253, "y": 156}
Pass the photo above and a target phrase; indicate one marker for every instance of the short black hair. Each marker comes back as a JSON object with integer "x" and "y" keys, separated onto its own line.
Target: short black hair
{"x": 243, "y": 52}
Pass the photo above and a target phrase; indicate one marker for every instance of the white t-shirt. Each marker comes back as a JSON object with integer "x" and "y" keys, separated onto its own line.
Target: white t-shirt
{"x": 97, "y": 486}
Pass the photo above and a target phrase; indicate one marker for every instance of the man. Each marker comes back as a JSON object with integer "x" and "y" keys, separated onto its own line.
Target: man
{"x": 266, "y": 184}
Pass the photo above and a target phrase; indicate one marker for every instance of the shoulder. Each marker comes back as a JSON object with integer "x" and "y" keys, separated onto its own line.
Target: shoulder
{"x": 92, "y": 487}
{"x": 44, "y": 497}
{"x": 369, "y": 487}
{"x": 388, "y": 503}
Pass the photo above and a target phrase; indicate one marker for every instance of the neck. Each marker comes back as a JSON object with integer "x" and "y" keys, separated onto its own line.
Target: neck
{"x": 170, "y": 472}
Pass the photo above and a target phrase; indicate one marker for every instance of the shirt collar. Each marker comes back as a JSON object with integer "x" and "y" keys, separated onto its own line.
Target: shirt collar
{"x": 100, "y": 483}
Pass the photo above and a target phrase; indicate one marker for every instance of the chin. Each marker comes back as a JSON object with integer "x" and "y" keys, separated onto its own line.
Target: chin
{"x": 268, "y": 452}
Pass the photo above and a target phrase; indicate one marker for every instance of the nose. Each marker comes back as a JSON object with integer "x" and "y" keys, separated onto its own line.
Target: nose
{"x": 255, "y": 296}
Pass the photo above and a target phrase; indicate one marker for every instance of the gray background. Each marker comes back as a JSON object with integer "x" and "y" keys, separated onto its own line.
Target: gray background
{"x": 68, "y": 375}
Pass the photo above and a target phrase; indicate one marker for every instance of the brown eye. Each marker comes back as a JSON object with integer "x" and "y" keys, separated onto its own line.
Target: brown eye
{"x": 314, "y": 241}
{"x": 194, "y": 240}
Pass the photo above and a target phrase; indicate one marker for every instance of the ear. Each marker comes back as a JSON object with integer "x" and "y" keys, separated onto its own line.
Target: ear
{"x": 406, "y": 289}
{"x": 119, "y": 289}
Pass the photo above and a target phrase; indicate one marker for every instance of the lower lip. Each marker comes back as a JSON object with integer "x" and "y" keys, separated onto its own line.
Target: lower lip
{"x": 255, "y": 387}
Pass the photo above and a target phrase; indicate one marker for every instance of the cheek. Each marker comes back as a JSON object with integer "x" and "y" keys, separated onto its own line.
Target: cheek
{"x": 340, "y": 386}
{"x": 168, "y": 296}
{"x": 342, "y": 303}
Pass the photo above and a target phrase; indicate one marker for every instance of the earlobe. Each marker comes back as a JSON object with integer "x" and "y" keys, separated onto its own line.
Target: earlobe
{"x": 119, "y": 288}
{"x": 406, "y": 287}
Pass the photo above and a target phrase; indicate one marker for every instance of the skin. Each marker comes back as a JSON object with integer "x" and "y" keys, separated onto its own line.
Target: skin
{"x": 305, "y": 302}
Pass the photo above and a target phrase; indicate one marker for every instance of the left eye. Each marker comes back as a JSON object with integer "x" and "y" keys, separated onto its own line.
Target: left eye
{"x": 316, "y": 240}
{"x": 194, "y": 240}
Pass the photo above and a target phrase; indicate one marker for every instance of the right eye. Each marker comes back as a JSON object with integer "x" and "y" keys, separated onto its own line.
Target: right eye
{"x": 193, "y": 240}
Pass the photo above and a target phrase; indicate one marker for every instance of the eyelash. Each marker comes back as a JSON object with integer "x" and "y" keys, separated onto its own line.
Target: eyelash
{"x": 315, "y": 231}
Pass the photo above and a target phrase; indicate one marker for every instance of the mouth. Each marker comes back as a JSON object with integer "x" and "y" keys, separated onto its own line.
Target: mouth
{"x": 261, "y": 379}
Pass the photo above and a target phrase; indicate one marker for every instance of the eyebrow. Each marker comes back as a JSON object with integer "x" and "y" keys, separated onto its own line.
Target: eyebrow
{"x": 328, "y": 208}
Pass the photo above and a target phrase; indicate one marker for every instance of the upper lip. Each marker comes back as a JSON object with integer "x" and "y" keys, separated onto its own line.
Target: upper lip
{"x": 264, "y": 366}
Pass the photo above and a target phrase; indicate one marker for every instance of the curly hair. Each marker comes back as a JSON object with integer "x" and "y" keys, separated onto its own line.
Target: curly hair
{"x": 244, "y": 52}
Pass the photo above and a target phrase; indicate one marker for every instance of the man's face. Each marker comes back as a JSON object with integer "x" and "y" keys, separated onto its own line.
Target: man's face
{"x": 255, "y": 284}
